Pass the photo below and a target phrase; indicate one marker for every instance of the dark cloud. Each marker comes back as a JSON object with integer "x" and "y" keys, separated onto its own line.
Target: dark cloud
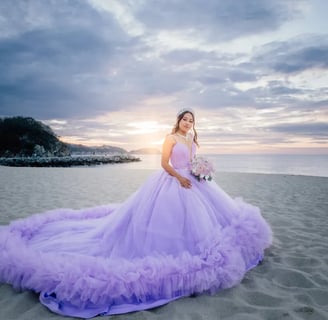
{"x": 280, "y": 88}
{"x": 241, "y": 76}
{"x": 287, "y": 95}
{"x": 318, "y": 129}
{"x": 64, "y": 69}
{"x": 208, "y": 68}
{"x": 296, "y": 55}
{"x": 276, "y": 94}
{"x": 218, "y": 97}
{"x": 218, "y": 20}
{"x": 184, "y": 57}
{"x": 211, "y": 79}
{"x": 321, "y": 104}
{"x": 303, "y": 59}
{"x": 283, "y": 90}
{"x": 22, "y": 16}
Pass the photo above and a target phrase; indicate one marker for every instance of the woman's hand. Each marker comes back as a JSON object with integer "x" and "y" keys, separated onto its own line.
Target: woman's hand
{"x": 184, "y": 182}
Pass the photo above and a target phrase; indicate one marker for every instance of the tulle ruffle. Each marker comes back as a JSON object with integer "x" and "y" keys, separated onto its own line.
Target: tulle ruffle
{"x": 84, "y": 285}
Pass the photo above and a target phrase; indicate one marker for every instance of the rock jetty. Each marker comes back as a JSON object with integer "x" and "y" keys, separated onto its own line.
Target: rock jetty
{"x": 68, "y": 161}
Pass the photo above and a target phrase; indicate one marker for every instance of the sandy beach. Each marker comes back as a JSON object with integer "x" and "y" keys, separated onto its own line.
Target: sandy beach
{"x": 291, "y": 282}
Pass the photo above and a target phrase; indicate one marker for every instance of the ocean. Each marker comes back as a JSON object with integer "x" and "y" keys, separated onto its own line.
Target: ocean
{"x": 290, "y": 164}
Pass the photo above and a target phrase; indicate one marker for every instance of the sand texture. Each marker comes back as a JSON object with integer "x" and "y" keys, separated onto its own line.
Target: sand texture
{"x": 291, "y": 282}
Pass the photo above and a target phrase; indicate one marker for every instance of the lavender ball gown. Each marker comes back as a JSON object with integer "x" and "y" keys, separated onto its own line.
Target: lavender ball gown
{"x": 164, "y": 242}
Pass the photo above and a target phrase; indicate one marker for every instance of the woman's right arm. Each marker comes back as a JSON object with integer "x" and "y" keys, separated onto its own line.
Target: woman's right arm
{"x": 166, "y": 153}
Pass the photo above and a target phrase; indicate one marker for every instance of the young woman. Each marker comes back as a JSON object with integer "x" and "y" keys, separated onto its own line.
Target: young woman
{"x": 174, "y": 237}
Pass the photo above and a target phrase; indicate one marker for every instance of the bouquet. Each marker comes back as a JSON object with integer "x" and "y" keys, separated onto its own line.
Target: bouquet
{"x": 201, "y": 168}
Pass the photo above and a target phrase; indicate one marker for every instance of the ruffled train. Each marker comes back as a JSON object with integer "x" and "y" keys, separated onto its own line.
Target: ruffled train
{"x": 71, "y": 256}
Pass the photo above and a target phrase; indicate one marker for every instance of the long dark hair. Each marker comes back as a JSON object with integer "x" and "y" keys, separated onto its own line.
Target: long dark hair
{"x": 179, "y": 118}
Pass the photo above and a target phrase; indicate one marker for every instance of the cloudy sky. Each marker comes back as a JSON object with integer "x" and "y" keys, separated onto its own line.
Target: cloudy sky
{"x": 116, "y": 72}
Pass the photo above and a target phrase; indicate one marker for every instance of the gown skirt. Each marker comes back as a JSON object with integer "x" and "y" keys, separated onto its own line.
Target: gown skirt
{"x": 163, "y": 243}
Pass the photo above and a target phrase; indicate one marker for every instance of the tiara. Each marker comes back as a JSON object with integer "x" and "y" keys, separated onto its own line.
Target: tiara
{"x": 185, "y": 110}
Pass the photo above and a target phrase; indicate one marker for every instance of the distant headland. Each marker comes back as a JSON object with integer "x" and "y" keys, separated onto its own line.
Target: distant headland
{"x": 25, "y": 141}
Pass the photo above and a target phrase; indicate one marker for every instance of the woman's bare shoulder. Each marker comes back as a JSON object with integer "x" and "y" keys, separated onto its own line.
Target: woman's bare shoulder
{"x": 170, "y": 138}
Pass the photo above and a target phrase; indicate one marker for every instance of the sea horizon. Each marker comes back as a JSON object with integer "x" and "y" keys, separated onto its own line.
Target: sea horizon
{"x": 292, "y": 164}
